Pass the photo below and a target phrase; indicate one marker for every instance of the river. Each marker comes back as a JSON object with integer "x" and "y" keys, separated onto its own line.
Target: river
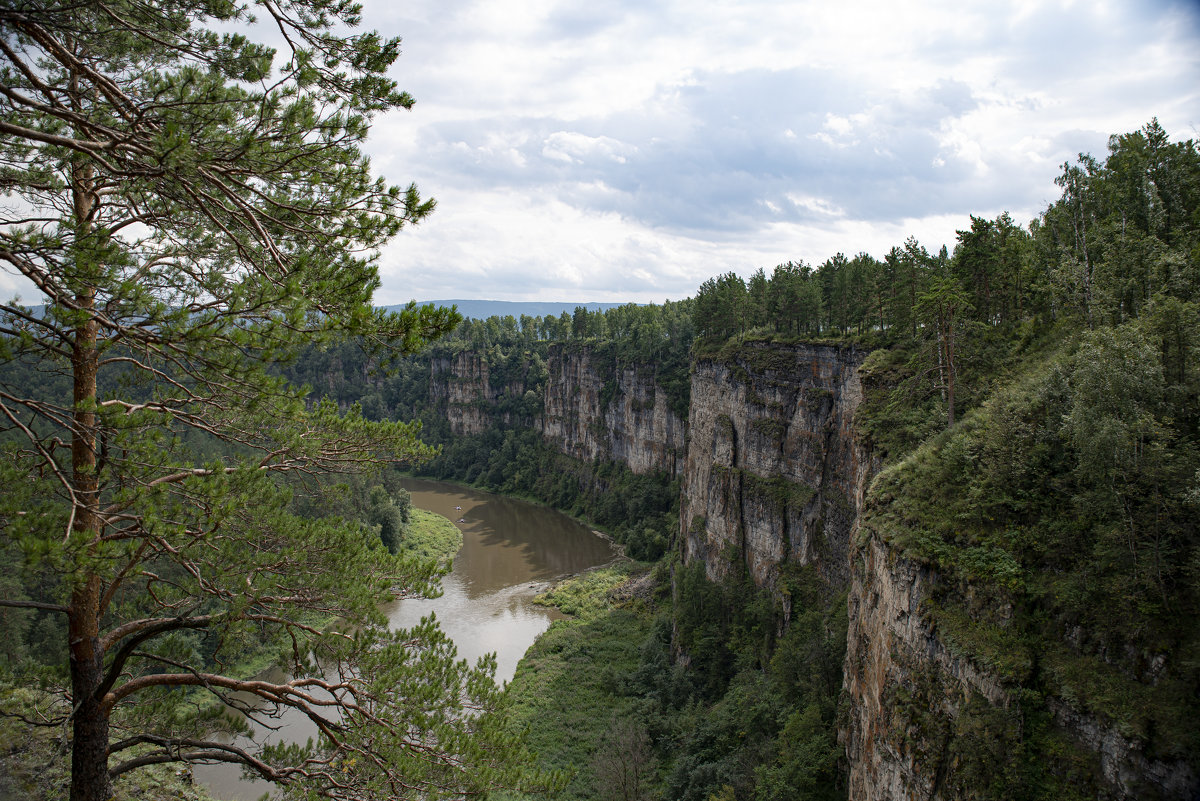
{"x": 511, "y": 550}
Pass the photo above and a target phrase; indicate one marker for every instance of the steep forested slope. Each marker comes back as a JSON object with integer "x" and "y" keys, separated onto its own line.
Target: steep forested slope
{"x": 1025, "y": 597}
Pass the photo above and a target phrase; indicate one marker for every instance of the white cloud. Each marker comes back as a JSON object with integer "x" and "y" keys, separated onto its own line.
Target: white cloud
{"x": 629, "y": 150}
{"x": 576, "y": 148}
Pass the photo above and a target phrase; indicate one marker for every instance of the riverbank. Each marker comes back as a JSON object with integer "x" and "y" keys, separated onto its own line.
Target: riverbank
{"x": 567, "y": 689}
{"x": 428, "y": 535}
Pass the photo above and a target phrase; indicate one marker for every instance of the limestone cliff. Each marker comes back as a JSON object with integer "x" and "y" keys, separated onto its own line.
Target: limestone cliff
{"x": 927, "y": 722}
{"x": 773, "y": 471}
{"x": 459, "y": 384}
{"x": 600, "y": 411}
{"x": 585, "y": 406}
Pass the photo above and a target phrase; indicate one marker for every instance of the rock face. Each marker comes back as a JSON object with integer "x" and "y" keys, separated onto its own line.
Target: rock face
{"x": 461, "y": 384}
{"x": 908, "y": 735}
{"x": 604, "y": 412}
{"x": 892, "y": 651}
{"x": 774, "y": 473}
{"x": 587, "y": 408}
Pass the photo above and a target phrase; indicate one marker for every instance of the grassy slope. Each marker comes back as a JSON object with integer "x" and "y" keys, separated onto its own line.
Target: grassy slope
{"x": 565, "y": 690}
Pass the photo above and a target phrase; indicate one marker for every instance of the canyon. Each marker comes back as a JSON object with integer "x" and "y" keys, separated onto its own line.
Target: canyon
{"x": 774, "y": 471}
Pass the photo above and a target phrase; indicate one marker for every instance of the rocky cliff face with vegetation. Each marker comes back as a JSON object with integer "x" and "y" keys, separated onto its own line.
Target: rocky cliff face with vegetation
{"x": 899, "y": 675}
{"x": 585, "y": 405}
{"x": 460, "y": 384}
{"x": 1008, "y": 635}
{"x": 972, "y": 650}
{"x": 1012, "y": 602}
{"x": 931, "y": 717}
{"x": 602, "y": 411}
{"x": 774, "y": 473}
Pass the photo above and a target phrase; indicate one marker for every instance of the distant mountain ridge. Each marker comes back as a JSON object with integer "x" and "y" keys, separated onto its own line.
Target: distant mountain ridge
{"x": 483, "y": 309}
{"x": 480, "y": 309}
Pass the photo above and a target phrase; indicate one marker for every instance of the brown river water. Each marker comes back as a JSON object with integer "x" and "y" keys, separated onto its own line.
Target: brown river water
{"x": 511, "y": 551}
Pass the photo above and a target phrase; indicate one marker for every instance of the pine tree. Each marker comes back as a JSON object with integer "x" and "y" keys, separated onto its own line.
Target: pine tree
{"x": 192, "y": 211}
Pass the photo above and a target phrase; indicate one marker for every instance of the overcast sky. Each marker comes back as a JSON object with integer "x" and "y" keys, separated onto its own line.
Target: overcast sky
{"x": 626, "y": 150}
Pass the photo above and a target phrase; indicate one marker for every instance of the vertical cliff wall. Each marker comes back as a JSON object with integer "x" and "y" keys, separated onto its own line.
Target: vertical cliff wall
{"x": 460, "y": 385}
{"x": 585, "y": 406}
{"x": 904, "y": 685}
{"x": 597, "y": 410}
{"x": 926, "y": 721}
{"x": 773, "y": 471}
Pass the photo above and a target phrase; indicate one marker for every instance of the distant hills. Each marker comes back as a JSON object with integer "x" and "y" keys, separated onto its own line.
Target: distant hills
{"x": 483, "y": 309}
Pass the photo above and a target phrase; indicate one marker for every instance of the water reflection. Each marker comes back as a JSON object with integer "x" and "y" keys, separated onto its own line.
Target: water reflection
{"x": 510, "y": 550}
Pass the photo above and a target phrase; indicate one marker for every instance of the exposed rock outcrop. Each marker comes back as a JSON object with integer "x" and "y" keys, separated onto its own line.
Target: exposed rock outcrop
{"x": 585, "y": 407}
{"x": 461, "y": 384}
{"x": 605, "y": 412}
{"x": 927, "y": 721}
{"x": 894, "y": 659}
{"x": 915, "y": 704}
{"x": 774, "y": 473}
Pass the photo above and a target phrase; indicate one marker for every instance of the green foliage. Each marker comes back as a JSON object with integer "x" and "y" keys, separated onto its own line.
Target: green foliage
{"x": 769, "y": 428}
{"x": 761, "y": 716}
{"x": 759, "y": 720}
{"x": 587, "y": 597}
{"x": 566, "y": 689}
{"x": 777, "y": 491}
{"x": 721, "y": 307}
{"x": 430, "y": 537}
{"x": 35, "y": 763}
{"x": 1064, "y": 504}
{"x": 807, "y": 759}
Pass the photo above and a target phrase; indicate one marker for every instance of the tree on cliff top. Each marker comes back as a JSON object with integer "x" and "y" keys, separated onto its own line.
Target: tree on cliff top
{"x": 192, "y": 213}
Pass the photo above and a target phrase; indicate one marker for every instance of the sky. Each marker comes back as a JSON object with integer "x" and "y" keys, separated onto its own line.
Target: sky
{"x": 628, "y": 150}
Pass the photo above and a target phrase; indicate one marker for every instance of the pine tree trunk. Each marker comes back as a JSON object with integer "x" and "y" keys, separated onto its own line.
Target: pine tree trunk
{"x": 89, "y": 746}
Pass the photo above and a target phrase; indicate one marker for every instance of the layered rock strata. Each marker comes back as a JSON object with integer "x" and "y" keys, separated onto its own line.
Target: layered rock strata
{"x": 460, "y": 383}
{"x": 593, "y": 410}
{"x": 597, "y": 412}
{"x": 774, "y": 473}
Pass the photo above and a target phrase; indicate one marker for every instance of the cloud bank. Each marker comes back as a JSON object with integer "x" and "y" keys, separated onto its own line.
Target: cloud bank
{"x": 627, "y": 151}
